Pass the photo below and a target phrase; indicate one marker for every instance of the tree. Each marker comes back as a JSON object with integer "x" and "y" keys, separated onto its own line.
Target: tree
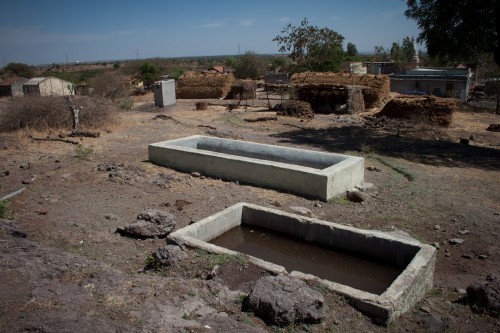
{"x": 457, "y": 30}
{"x": 19, "y": 69}
{"x": 397, "y": 54}
{"x": 380, "y": 53}
{"x": 231, "y": 62}
{"x": 312, "y": 48}
{"x": 279, "y": 64}
{"x": 149, "y": 74}
{"x": 352, "y": 51}
{"x": 250, "y": 66}
{"x": 408, "y": 49}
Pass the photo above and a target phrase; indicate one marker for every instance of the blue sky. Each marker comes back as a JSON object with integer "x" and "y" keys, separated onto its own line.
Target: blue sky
{"x": 39, "y": 32}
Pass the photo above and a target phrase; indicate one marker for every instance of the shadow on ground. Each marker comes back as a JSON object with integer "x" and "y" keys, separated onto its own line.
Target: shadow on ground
{"x": 425, "y": 151}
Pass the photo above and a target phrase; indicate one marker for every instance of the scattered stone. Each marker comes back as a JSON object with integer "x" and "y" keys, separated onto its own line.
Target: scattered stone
{"x": 464, "y": 232}
{"x": 437, "y": 227}
{"x": 436, "y": 245}
{"x": 425, "y": 309}
{"x": 466, "y": 256}
{"x": 461, "y": 291}
{"x": 166, "y": 257}
{"x": 432, "y": 322}
{"x": 181, "y": 203}
{"x": 42, "y": 211}
{"x": 66, "y": 176}
{"x": 277, "y": 203}
{"x": 149, "y": 223}
{"x": 26, "y": 181}
{"x": 317, "y": 204}
{"x": 484, "y": 296}
{"x": 496, "y": 213}
{"x": 482, "y": 256}
{"x": 5, "y": 173}
{"x": 494, "y": 128}
{"x": 455, "y": 219}
{"x": 364, "y": 187}
{"x": 373, "y": 169}
{"x": 25, "y": 165}
{"x": 356, "y": 196}
{"x": 112, "y": 217}
{"x": 195, "y": 174}
{"x": 302, "y": 210}
{"x": 456, "y": 241}
{"x": 283, "y": 300}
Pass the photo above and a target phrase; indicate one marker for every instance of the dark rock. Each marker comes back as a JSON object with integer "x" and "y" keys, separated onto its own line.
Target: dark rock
{"x": 11, "y": 228}
{"x": 356, "y": 196}
{"x": 112, "y": 217}
{"x": 464, "y": 141}
{"x": 456, "y": 241}
{"x": 149, "y": 224}
{"x": 432, "y": 323}
{"x": 283, "y": 300}
{"x": 167, "y": 257}
{"x": 484, "y": 296}
{"x": 26, "y": 181}
{"x": 195, "y": 174}
{"x": 494, "y": 128}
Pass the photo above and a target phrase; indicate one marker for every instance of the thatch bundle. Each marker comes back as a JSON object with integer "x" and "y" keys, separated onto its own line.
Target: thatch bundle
{"x": 204, "y": 85}
{"x": 243, "y": 89}
{"x": 375, "y": 87}
{"x": 332, "y": 98}
{"x": 293, "y": 108}
{"x": 431, "y": 109}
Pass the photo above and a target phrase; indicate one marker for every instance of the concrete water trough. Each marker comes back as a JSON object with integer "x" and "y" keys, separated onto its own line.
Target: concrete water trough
{"x": 309, "y": 173}
{"x": 414, "y": 260}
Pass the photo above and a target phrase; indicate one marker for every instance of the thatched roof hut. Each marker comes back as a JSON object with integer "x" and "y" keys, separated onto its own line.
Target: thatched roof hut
{"x": 430, "y": 109}
{"x": 375, "y": 88}
{"x": 243, "y": 89}
{"x": 204, "y": 85}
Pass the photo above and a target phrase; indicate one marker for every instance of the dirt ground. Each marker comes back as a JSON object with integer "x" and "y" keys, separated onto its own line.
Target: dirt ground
{"x": 73, "y": 272}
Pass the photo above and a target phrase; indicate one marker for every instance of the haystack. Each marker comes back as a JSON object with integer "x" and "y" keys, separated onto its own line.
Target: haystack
{"x": 204, "y": 85}
{"x": 293, "y": 108}
{"x": 242, "y": 89}
{"x": 430, "y": 109}
{"x": 374, "y": 87}
{"x": 329, "y": 98}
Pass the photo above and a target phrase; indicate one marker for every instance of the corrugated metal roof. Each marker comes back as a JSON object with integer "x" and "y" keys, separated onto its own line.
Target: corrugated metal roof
{"x": 35, "y": 81}
{"x": 428, "y": 77}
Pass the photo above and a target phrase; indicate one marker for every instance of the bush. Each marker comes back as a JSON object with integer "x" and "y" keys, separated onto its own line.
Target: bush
{"x": 53, "y": 112}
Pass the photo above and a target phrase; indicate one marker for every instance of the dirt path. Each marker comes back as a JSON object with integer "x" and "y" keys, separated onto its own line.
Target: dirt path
{"x": 75, "y": 273}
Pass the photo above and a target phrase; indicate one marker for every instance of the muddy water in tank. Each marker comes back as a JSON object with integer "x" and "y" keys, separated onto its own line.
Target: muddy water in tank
{"x": 327, "y": 263}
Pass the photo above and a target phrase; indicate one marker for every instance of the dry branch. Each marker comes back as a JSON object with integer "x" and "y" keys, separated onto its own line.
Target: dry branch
{"x": 55, "y": 139}
{"x": 253, "y": 120}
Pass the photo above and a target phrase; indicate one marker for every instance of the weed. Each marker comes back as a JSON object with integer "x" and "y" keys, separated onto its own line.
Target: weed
{"x": 4, "y": 212}
{"x": 152, "y": 263}
{"x": 367, "y": 150}
{"x": 214, "y": 259}
{"x": 340, "y": 200}
{"x": 126, "y": 104}
{"x": 398, "y": 169}
{"x": 191, "y": 293}
{"x": 83, "y": 152}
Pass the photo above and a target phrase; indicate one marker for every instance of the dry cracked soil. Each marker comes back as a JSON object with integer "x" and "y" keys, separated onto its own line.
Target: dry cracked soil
{"x": 73, "y": 272}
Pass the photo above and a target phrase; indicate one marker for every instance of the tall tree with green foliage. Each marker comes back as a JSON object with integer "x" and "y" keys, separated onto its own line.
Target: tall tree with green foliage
{"x": 458, "y": 30}
{"x": 250, "y": 66}
{"x": 149, "y": 74}
{"x": 408, "y": 49}
{"x": 352, "y": 51}
{"x": 231, "y": 62}
{"x": 312, "y": 48}
{"x": 19, "y": 69}
{"x": 397, "y": 54}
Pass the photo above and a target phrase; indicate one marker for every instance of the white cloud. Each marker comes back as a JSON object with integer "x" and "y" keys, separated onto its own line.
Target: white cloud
{"x": 211, "y": 25}
{"x": 247, "y": 22}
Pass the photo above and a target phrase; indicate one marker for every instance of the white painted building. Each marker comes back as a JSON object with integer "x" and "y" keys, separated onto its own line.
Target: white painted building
{"x": 48, "y": 86}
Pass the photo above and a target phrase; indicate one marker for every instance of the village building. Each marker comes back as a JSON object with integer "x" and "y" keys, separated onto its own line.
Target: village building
{"x": 47, "y": 86}
{"x": 12, "y": 87}
{"x": 454, "y": 82}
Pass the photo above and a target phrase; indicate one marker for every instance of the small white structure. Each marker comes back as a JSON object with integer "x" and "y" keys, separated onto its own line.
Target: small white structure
{"x": 164, "y": 92}
{"x": 439, "y": 82}
{"x": 48, "y": 86}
